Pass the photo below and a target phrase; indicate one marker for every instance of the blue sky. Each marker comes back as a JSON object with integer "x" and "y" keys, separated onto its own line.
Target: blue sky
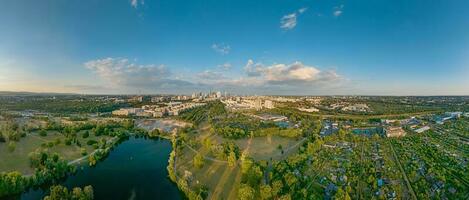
{"x": 317, "y": 47}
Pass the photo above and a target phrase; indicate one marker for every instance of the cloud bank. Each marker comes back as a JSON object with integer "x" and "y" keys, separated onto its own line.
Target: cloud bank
{"x": 255, "y": 77}
{"x": 289, "y": 74}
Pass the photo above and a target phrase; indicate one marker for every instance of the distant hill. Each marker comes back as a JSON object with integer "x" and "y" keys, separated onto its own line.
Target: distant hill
{"x": 10, "y": 93}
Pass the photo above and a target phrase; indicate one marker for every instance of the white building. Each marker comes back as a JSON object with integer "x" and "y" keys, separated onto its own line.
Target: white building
{"x": 394, "y": 131}
{"x": 127, "y": 111}
{"x": 423, "y": 129}
{"x": 268, "y": 104}
{"x": 312, "y": 109}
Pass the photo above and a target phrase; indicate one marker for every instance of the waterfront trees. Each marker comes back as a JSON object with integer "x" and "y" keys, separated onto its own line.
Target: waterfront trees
{"x": 59, "y": 192}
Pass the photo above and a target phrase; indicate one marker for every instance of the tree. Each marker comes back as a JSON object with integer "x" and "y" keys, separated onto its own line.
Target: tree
{"x": 86, "y": 134}
{"x": 88, "y": 192}
{"x": 277, "y": 187}
{"x": 207, "y": 143}
{"x": 265, "y": 192}
{"x": 232, "y": 159}
{"x": 43, "y": 133}
{"x": 11, "y": 146}
{"x": 285, "y": 197}
{"x": 339, "y": 194}
{"x": 291, "y": 180}
{"x": 92, "y": 160}
{"x": 12, "y": 183}
{"x": 246, "y": 164}
{"x": 198, "y": 161}
{"x": 342, "y": 133}
{"x": 128, "y": 124}
{"x": 246, "y": 192}
{"x": 347, "y": 196}
{"x": 59, "y": 192}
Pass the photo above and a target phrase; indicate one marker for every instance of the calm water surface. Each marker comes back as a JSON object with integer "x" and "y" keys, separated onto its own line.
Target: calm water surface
{"x": 135, "y": 169}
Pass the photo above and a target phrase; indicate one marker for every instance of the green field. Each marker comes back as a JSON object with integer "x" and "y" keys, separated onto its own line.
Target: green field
{"x": 218, "y": 177}
{"x": 266, "y": 148}
{"x": 18, "y": 159}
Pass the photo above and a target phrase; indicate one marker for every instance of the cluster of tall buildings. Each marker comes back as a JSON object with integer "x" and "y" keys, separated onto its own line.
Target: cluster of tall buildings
{"x": 209, "y": 95}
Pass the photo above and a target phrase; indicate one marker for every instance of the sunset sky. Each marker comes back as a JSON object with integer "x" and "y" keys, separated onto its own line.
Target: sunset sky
{"x": 281, "y": 47}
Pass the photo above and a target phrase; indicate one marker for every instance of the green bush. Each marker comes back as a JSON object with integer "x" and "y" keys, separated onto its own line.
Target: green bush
{"x": 43, "y": 133}
{"x": 91, "y": 142}
{"x": 11, "y": 146}
{"x": 86, "y": 134}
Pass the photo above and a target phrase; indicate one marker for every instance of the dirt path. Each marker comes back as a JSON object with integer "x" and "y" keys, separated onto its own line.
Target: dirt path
{"x": 222, "y": 183}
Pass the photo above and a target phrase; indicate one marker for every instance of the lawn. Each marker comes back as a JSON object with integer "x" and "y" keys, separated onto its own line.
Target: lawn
{"x": 18, "y": 160}
{"x": 267, "y": 147}
{"x": 218, "y": 177}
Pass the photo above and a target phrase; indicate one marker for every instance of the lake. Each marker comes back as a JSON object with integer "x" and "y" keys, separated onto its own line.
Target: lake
{"x": 135, "y": 169}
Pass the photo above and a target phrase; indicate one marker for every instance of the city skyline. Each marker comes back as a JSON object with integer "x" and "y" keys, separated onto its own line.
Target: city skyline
{"x": 247, "y": 47}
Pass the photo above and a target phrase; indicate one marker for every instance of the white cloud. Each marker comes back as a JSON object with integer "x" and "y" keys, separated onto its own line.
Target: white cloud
{"x": 289, "y": 21}
{"x": 221, "y": 48}
{"x": 119, "y": 72}
{"x": 135, "y": 3}
{"x": 338, "y": 10}
{"x": 122, "y": 75}
{"x": 225, "y": 66}
{"x": 289, "y": 74}
{"x": 302, "y": 10}
{"x": 208, "y": 75}
{"x": 253, "y": 69}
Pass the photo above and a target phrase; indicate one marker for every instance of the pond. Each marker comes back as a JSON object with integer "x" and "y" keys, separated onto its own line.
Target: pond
{"x": 135, "y": 169}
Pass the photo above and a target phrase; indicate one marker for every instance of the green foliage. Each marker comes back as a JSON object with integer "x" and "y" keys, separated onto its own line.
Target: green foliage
{"x": 86, "y": 134}
{"x": 43, "y": 133}
{"x": 12, "y": 183}
{"x": 207, "y": 112}
{"x": 265, "y": 192}
{"x": 65, "y": 104}
{"x": 59, "y": 192}
{"x": 11, "y": 146}
{"x": 83, "y": 152}
{"x": 246, "y": 192}
{"x": 251, "y": 173}
{"x": 91, "y": 142}
{"x": 154, "y": 133}
{"x": 10, "y": 131}
{"x": 232, "y": 159}
{"x": 230, "y": 132}
{"x": 290, "y": 132}
{"x": 277, "y": 187}
{"x": 198, "y": 161}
